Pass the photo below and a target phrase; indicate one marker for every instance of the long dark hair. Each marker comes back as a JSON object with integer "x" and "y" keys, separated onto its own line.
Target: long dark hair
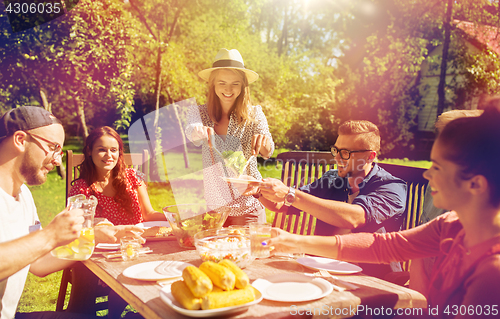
{"x": 473, "y": 143}
{"x": 88, "y": 171}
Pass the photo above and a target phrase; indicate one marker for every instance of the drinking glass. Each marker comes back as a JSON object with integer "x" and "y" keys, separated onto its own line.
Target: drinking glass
{"x": 259, "y": 235}
{"x": 82, "y": 247}
{"x": 129, "y": 247}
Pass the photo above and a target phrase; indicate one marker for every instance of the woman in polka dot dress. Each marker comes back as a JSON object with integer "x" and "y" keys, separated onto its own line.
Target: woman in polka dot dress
{"x": 121, "y": 192}
{"x": 231, "y": 122}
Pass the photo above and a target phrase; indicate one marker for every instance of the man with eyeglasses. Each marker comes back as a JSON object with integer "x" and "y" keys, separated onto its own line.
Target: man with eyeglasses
{"x": 358, "y": 196}
{"x": 31, "y": 140}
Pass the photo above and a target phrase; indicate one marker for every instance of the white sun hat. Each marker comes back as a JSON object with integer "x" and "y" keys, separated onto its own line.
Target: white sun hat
{"x": 229, "y": 59}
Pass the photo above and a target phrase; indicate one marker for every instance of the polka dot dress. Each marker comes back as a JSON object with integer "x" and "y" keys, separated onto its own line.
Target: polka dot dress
{"x": 238, "y": 138}
{"x": 107, "y": 207}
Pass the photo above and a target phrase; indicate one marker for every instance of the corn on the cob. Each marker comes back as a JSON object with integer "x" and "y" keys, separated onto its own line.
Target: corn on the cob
{"x": 183, "y": 295}
{"x": 228, "y": 298}
{"x": 221, "y": 276}
{"x": 197, "y": 281}
{"x": 242, "y": 279}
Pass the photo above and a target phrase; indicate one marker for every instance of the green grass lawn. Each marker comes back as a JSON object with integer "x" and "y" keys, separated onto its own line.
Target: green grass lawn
{"x": 40, "y": 294}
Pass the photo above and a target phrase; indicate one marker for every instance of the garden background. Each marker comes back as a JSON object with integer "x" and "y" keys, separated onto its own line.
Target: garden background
{"x": 116, "y": 62}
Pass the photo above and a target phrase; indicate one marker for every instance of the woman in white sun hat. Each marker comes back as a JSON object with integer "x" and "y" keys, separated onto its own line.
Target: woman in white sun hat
{"x": 232, "y": 124}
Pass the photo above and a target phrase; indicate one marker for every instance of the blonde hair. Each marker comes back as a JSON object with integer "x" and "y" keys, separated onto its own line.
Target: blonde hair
{"x": 241, "y": 106}
{"x": 371, "y": 134}
{"x": 449, "y": 116}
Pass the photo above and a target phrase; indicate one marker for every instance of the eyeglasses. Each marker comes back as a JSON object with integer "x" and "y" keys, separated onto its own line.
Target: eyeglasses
{"x": 57, "y": 152}
{"x": 344, "y": 154}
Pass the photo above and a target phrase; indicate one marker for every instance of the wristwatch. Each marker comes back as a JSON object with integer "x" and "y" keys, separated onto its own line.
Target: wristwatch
{"x": 290, "y": 197}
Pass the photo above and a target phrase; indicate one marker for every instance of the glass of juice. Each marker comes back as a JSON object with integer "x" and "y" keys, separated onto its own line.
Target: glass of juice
{"x": 259, "y": 235}
{"x": 82, "y": 247}
{"x": 130, "y": 247}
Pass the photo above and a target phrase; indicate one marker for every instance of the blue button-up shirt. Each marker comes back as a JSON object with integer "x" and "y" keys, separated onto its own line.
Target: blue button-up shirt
{"x": 382, "y": 196}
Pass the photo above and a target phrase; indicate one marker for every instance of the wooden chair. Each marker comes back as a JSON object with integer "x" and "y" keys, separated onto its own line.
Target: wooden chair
{"x": 299, "y": 169}
{"x": 73, "y": 161}
{"x": 302, "y": 168}
{"x": 416, "y": 183}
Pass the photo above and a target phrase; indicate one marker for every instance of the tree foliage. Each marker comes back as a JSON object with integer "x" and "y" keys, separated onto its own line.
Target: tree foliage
{"x": 320, "y": 62}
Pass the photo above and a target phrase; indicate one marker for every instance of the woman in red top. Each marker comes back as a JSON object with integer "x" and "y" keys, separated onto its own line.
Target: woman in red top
{"x": 464, "y": 177}
{"x": 121, "y": 192}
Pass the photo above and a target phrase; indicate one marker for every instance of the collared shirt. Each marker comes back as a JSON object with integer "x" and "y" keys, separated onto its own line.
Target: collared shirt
{"x": 382, "y": 196}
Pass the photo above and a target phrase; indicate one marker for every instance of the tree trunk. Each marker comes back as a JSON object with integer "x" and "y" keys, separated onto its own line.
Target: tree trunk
{"x": 61, "y": 170}
{"x": 80, "y": 111}
{"x": 284, "y": 33}
{"x": 444, "y": 59}
{"x": 45, "y": 102}
{"x": 181, "y": 129}
{"x": 156, "y": 163}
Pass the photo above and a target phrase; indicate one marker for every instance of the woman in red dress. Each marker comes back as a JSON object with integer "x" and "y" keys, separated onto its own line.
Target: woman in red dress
{"x": 121, "y": 192}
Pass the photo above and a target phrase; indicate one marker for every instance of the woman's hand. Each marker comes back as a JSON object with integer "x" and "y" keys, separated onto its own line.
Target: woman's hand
{"x": 203, "y": 133}
{"x": 283, "y": 242}
{"x": 112, "y": 234}
{"x": 261, "y": 145}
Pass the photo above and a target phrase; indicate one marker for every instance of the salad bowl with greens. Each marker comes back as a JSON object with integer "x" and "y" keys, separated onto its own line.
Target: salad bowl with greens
{"x": 235, "y": 161}
{"x": 188, "y": 219}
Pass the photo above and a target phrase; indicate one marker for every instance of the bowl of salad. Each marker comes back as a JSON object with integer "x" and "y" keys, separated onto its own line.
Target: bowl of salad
{"x": 188, "y": 219}
{"x": 231, "y": 243}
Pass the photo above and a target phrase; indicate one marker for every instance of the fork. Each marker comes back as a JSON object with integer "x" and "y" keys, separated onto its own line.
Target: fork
{"x": 214, "y": 147}
{"x": 337, "y": 281}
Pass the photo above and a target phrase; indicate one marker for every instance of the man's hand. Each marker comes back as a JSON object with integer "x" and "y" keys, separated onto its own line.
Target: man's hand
{"x": 112, "y": 234}
{"x": 247, "y": 189}
{"x": 273, "y": 190}
{"x": 65, "y": 227}
{"x": 283, "y": 242}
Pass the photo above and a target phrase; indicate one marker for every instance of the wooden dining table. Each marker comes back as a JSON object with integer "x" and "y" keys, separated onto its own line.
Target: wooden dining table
{"x": 373, "y": 294}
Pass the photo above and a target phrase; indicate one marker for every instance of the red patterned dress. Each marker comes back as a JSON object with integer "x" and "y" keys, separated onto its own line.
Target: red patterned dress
{"x": 107, "y": 207}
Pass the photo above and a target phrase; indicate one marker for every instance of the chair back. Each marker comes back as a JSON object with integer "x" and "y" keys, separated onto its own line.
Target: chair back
{"x": 72, "y": 172}
{"x": 416, "y": 184}
{"x": 73, "y": 160}
{"x": 299, "y": 169}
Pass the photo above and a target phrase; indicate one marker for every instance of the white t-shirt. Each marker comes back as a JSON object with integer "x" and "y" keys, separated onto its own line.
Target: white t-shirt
{"x": 16, "y": 217}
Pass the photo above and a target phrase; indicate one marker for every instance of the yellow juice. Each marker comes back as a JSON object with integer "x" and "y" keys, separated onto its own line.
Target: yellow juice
{"x": 79, "y": 249}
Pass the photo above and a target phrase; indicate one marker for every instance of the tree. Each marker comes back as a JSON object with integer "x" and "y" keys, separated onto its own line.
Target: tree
{"x": 78, "y": 60}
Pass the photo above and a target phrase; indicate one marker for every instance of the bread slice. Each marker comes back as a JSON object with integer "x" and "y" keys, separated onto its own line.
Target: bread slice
{"x": 157, "y": 232}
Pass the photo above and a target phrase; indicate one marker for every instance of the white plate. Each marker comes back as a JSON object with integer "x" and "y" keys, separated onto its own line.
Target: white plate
{"x": 240, "y": 181}
{"x": 166, "y": 296}
{"x": 331, "y": 265}
{"x": 160, "y": 223}
{"x": 292, "y": 287}
{"x": 146, "y": 271}
{"x": 108, "y": 246}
